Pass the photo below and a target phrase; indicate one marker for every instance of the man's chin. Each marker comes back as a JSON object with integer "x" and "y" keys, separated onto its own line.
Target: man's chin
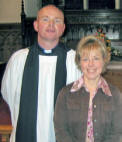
{"x": 52, "y": 39}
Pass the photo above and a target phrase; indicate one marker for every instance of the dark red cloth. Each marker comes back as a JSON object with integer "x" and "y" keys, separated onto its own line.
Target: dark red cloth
{"x": 4, "y": 113}
{"x": 5, "y": 118}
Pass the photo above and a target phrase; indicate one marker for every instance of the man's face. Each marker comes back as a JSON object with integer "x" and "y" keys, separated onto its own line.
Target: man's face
{"x": 49, "y": 24}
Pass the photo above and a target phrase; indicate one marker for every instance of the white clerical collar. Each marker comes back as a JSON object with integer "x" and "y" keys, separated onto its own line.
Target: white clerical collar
{"x": 47, "y": 51}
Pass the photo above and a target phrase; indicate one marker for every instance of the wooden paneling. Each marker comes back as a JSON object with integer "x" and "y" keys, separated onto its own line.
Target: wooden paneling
{"x": 114, "y": 74}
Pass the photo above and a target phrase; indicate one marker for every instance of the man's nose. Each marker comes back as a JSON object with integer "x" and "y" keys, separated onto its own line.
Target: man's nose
{"x": 51, "y": 23}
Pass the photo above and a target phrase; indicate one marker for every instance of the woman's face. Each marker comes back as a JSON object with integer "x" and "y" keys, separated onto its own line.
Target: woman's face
{"x": 92, "y": 64}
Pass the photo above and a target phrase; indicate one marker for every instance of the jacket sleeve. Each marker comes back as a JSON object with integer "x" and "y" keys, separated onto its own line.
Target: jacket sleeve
{"x": 60, "y": 119}
{"x": 117, "y": 117}
{"x": 116, "y": 120}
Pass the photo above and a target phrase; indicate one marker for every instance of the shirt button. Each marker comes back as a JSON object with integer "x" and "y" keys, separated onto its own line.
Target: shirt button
{"x": 95, "y": 106}
{"x": 95, "y": 120}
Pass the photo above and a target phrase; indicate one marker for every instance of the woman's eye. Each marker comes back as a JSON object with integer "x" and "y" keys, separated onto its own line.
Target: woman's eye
{"x": 96, "y": 58}
{"x": 85, "y": 59}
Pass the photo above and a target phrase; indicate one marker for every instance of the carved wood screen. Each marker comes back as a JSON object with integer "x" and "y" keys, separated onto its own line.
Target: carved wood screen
{"x": 80, "y": 23}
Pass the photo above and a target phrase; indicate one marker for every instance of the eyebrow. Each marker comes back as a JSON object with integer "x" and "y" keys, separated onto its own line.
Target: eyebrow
{"x": 48, "y": 16}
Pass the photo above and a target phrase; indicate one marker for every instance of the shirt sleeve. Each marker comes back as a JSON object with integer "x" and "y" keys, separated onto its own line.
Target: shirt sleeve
{"x": 12, "y": 78}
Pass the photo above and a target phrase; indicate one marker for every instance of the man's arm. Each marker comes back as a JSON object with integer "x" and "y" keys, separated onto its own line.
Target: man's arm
{"x": 11, "y": 82}
{"x": 73, "y": 73}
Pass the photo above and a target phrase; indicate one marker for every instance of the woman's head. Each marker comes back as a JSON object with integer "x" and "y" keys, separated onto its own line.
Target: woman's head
{"x": 92, "y": 51}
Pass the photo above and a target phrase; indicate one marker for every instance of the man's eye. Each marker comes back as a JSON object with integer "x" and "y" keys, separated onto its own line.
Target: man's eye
{"x": 45, "y": 19}
{"x": 58, "y": 21}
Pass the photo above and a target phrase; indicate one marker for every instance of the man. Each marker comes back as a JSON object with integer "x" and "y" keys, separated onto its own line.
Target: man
{"x": 34, "y": 76}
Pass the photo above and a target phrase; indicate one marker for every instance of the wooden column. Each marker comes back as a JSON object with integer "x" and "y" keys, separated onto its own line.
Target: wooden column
{"x": 23, "y": 17}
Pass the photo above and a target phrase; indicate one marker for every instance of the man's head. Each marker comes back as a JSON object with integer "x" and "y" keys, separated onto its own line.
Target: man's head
{"x": 49, "y": 24}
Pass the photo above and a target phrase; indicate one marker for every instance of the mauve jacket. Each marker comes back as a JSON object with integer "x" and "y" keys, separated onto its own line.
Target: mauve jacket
{"x": 71, "y": 113}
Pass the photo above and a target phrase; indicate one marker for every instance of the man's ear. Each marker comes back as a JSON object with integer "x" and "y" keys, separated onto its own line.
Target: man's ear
{"x": 35, "y": 25}
{"x": 64, "y": 27}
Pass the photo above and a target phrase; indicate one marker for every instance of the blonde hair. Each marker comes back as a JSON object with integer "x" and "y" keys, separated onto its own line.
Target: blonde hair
{"x": 89, "y": 43}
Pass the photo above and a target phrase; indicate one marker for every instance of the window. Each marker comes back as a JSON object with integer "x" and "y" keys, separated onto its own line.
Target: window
{"x": 101, "y": 4}
{"x": 74, "y": 4}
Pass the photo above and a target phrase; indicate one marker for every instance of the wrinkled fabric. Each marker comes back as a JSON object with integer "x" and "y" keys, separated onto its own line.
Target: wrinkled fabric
{"x": 71, "y": 114}
{"x": 13, "y": 79}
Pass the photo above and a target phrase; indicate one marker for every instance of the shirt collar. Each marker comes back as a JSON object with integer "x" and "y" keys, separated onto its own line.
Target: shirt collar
{"x": 101, "y": 84}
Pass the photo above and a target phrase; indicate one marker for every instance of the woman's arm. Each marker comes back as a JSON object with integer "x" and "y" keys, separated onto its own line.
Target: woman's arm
{"x": 61, "y": 120}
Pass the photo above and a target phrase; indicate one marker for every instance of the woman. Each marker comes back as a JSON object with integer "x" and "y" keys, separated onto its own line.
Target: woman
{"x": 89, "y": 110}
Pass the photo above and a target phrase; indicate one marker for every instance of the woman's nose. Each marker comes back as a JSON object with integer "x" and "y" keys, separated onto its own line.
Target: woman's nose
{"x": 90, "y": 62}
